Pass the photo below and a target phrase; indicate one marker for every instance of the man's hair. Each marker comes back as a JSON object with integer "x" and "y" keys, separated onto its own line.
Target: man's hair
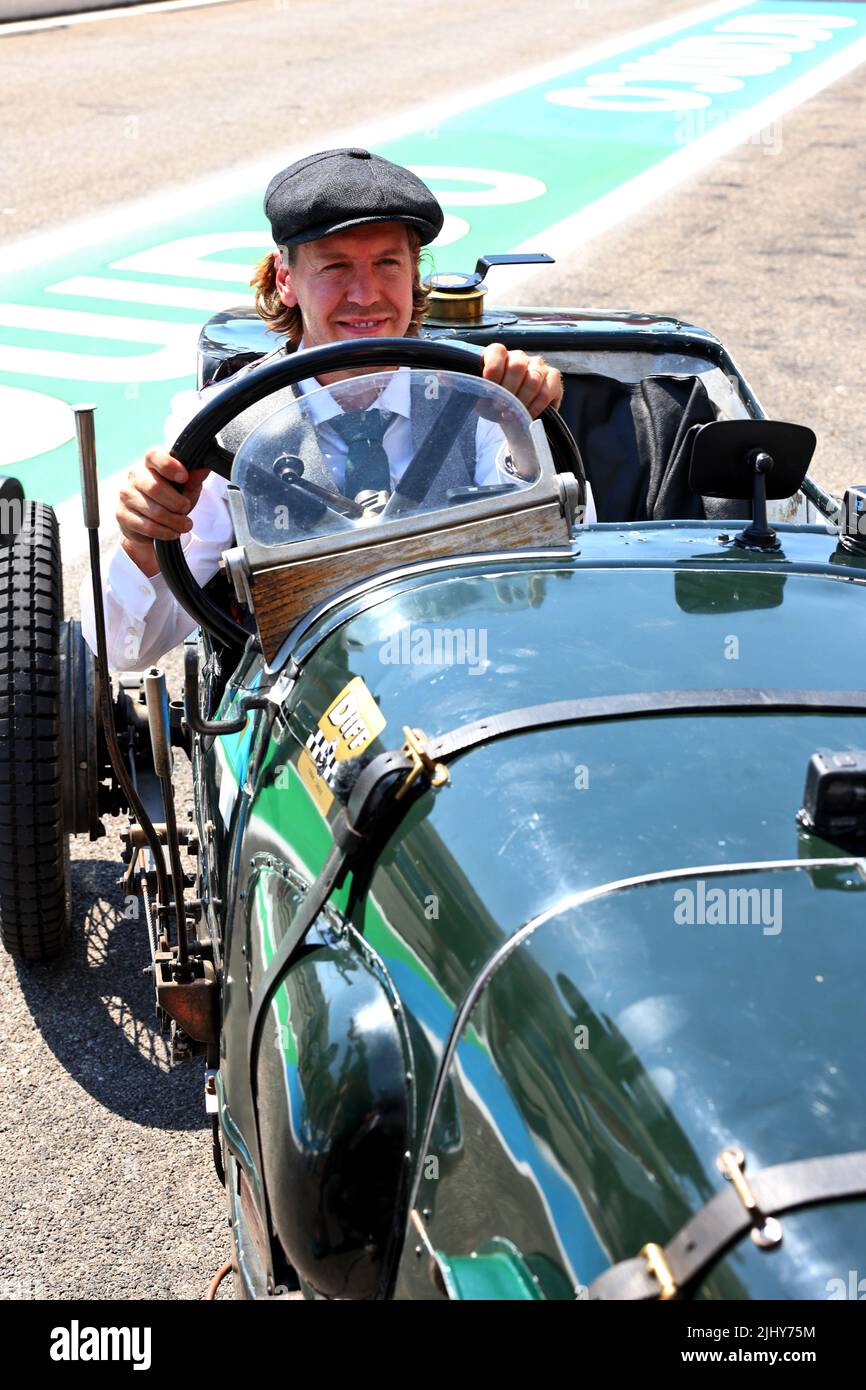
{"x": 283, "y": 318}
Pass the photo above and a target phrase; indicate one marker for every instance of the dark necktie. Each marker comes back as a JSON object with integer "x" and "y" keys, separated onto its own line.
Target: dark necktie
{"x": 367, "y": 463}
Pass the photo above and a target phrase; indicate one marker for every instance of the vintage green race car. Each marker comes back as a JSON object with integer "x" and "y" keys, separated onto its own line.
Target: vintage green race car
{"x": 529, "y": 904}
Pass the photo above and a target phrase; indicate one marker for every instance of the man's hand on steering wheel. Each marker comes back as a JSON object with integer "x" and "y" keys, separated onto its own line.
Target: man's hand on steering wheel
{"x": 530, "y": 379}
{"x": 150, "y": 508}
{"x": 160, "y": 492}
{"x": 194, "y": 444}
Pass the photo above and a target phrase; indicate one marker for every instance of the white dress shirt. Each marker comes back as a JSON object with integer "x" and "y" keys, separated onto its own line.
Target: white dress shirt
{"x": 143, "y": 619}
{"x": 490, "y": 446}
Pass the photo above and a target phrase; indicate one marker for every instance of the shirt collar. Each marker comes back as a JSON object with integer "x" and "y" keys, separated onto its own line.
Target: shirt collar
{"x": 396, "y": 397}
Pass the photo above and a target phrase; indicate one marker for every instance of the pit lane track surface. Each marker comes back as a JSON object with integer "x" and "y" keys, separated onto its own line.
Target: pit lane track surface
{"x": 554, "y": 154}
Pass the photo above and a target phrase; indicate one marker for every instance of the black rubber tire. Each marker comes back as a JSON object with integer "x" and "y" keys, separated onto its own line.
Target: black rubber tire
{"x": 35, "y": 905}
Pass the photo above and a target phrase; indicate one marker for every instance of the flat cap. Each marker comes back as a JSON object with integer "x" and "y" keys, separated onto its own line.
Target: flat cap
{"x": 338, "y": 189}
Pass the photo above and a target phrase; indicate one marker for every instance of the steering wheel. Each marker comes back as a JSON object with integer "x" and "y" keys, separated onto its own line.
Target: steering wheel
{"x": 194, "y": 446}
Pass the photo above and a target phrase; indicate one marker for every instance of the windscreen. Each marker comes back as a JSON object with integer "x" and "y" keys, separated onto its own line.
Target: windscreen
{"x": 381, "y": 446}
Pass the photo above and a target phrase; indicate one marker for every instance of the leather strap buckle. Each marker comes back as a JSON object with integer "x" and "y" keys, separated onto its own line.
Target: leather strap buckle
{"x": 658, "y": 1267}
{"x": 766, "y": 1230}
{"x": 417, "y": 749}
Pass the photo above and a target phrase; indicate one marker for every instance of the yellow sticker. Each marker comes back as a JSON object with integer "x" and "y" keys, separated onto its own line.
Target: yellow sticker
{"x": 352, "y": 721}
{"x": 315, "y": 783}
{"x": 348, "y": 726}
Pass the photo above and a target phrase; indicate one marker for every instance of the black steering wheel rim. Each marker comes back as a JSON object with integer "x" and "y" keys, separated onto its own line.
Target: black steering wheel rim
{"x": 195, "y": 441}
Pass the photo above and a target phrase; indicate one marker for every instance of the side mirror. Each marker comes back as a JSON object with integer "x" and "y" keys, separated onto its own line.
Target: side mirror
{"x": 721, "y": 454}
{"x": 760, "y": 459}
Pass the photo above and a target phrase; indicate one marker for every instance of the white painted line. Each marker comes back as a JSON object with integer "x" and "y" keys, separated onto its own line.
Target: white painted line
{"x": 131, "y": 11}
{"x": 83, "y": 323}
{"x": 140, "y": 292}
{"x": 566, "y": 239}
{"x": 229, "y": 183}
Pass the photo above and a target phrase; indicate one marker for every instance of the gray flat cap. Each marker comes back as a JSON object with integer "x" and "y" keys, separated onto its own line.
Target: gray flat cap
{"x": 338, "y": 189}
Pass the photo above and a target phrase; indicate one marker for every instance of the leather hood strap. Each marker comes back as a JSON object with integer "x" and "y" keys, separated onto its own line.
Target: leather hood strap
{"x": 708, "y": 1234}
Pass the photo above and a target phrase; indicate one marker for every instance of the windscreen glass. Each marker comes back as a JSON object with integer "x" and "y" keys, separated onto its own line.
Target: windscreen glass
{"x": 381, "y": 446}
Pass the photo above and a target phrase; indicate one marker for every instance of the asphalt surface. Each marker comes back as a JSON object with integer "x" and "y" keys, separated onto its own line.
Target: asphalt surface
{"x": 148, "y": 102}
{"x": 767, "y": 248}
{"x": 110, "y": 1190}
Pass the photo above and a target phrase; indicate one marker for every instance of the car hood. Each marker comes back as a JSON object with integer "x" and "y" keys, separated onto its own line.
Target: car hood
{"x": 626, "y": 1039}
{"x": 700, "y": 1033}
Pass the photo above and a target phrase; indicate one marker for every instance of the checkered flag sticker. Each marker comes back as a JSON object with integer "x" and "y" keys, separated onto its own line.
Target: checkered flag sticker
{"x": 323, "y": 752}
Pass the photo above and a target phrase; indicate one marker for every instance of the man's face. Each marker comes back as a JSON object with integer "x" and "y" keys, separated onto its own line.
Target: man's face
{"x": 355, "y": 284}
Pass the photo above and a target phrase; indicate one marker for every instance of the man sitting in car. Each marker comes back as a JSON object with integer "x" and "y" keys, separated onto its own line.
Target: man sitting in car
{"x": 349, "y": 227}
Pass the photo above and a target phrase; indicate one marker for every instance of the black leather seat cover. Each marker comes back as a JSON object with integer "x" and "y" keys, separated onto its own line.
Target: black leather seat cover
{"x": 636, "y": 446}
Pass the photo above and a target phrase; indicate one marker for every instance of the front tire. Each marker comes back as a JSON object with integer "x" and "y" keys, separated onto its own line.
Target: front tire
{"x": 35, "y": 906}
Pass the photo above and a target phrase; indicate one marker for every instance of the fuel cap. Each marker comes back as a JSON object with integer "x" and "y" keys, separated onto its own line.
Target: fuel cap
{"x": 458, "y": 296}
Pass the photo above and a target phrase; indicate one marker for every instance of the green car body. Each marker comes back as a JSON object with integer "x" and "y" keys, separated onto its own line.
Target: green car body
{"x": 516, "y": 1041}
